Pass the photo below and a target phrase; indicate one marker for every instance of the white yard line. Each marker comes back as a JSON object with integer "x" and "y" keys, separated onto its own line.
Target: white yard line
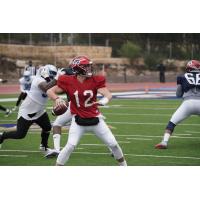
{"x": 17, "y": 156}
{"x": 92, "y": 145}
{"x": 147, "y": 136}
{"x": 144, "y": 108}
{"x": 156, "y": 136}
{"x": 121, "y": 142}
{"x": 192, "y": 132}
{"x": 138, "y": 139}
{"x": 99, "y": 153}
{"x": 163, "y": 156}
{"x": 141, "y": 155}
{"x": 135, "y": 114}
{"x": 151, "y": 123}
{"x": 27, "y": 151}
{"x": 18, "y": 150}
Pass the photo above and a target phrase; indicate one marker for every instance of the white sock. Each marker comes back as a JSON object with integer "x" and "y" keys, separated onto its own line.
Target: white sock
{"x": 123, "y": 163}
{"x": 166, "y": 137}
{"x": 56, "y": 141}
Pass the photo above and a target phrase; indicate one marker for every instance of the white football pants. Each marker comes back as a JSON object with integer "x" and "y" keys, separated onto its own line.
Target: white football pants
{"x": 187, "y": 108}
{"x": 101, "y": 130}
{"x": 63, "y": 119}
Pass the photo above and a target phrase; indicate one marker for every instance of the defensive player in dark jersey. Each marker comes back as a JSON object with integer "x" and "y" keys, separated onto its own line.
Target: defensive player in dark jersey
{"x": 188, "y": 87}
{"x": 82, "y": 89}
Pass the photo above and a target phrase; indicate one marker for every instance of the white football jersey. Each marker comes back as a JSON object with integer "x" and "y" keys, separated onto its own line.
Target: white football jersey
{"x": 34, "y": 104}
{"x": 35, "y": 93}
{"x": 24, "y": 84}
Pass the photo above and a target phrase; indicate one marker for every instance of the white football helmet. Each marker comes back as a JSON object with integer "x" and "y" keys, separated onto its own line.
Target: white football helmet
{"x": 26, "y": 75}
{"x": 49, "y": 71}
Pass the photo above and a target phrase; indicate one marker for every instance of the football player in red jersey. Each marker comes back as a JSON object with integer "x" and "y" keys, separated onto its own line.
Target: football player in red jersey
{"x": 82, "y": 89}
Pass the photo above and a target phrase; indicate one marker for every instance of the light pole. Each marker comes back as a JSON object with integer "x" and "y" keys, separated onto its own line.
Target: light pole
{"x": 89, "y": 39}
{"x": 30, "y": 38}
{"x": 60, "y": 38}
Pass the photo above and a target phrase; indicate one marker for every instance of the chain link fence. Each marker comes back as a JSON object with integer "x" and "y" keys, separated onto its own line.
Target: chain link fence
{"x": 158, "y": 45}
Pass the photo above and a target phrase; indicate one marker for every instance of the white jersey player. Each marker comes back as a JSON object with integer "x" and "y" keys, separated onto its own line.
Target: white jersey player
{"x": 25, "y": 85}
{"x": 188, "y": 87}
{"x": 25, "y": 81}
{"x": 32, "y": 110}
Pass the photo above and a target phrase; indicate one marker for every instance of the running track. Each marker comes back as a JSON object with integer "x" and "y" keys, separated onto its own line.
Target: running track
{"x": 114, "y": 87}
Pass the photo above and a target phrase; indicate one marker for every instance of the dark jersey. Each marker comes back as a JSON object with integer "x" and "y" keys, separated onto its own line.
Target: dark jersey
{"x": 190, "y": 84}
{"x": 189, "y": 81}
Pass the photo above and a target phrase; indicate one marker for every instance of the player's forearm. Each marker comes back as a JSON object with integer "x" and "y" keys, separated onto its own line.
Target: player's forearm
{"x": 107, "y": 96}
{"x": 47, "y": 85}
{"x": 51, "y": 94}
{"x": 105, "y": 92}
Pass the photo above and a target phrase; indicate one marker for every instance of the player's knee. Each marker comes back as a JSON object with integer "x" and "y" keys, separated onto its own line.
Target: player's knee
{"x": 170, "y": 126}
{"x": 47, "y": 128}
{"x": 20, "y": 135}
{"x": 56, "y": 129}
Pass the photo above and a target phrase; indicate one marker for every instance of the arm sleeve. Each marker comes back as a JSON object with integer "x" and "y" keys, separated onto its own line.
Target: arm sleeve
{"x": 101, "y": 82}
{"x": 179, "y": 91}
{"x": 179, "y": 80}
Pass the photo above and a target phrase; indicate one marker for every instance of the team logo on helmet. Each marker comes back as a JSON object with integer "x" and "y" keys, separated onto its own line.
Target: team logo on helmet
{"x": 82, "y": 65}
{"x": 193, "y": 65}
{"x": 75, "y": 62}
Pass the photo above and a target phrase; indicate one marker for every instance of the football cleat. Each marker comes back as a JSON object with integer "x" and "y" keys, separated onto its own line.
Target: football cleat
{"x": 8, "y": 112}
{"x": 51, "y": 153}
{"x": 43, "y": 148}
{"x": 162, "y": 145}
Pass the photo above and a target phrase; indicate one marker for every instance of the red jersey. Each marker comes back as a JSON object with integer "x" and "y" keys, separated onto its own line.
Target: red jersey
{"x": 82, "y": 95}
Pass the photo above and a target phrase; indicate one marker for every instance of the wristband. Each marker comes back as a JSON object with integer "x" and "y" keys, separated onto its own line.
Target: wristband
{"x": 103, "y": 101}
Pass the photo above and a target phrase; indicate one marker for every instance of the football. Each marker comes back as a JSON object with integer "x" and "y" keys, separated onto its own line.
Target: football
{"x": 59, "y": 110}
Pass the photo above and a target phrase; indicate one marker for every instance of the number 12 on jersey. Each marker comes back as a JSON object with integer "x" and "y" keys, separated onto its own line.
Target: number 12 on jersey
{"x": 87, "y": 101}
{"x": 193, "y": 79}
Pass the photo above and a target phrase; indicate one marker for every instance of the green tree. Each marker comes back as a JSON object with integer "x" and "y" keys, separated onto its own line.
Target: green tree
{"x": 130, "y": 50}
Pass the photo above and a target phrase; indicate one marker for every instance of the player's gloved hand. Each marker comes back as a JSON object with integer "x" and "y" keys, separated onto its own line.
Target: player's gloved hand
{"x": 59, "y": 72}
{"x": 59, "y": 102}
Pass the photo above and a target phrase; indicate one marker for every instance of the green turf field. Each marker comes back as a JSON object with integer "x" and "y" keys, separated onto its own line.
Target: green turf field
{"x": 137, "y": 124}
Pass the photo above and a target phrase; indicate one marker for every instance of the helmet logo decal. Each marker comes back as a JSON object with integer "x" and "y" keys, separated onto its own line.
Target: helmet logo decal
{"x": 76, "y": 62}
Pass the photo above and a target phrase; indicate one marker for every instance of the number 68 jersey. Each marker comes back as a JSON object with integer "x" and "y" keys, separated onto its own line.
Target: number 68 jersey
{"x": 190, "y": 84}
{"x": 82, "y": 95}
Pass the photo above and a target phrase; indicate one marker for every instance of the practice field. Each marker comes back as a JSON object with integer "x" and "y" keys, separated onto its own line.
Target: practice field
{"x": 137, "y": 124}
